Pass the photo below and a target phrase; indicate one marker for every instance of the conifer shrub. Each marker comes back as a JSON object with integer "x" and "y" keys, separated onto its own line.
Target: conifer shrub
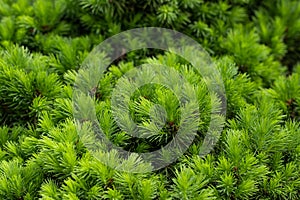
{"x": 255, "y": 47}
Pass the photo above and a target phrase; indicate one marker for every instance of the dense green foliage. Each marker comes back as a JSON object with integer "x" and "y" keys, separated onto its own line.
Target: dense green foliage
{"x": 255, "y": 45}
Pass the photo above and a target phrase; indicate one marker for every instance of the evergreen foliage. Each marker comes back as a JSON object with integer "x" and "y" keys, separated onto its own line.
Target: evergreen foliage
{"x": 255, "y": 45}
